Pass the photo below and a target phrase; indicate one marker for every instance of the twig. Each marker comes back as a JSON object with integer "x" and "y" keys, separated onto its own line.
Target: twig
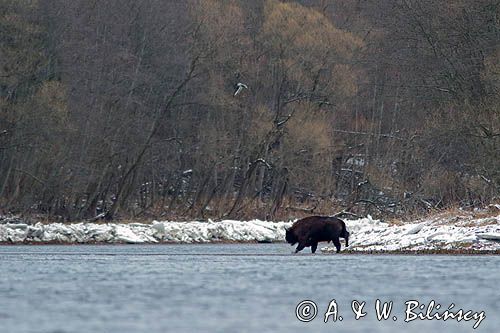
{"x": 31, "y": 175}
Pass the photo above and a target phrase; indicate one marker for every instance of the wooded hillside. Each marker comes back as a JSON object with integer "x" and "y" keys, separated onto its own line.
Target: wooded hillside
{"x": 128, "y": 108}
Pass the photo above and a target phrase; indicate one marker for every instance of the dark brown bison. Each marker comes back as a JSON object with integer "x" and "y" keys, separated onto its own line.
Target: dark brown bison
{"x": 313, "y": 229}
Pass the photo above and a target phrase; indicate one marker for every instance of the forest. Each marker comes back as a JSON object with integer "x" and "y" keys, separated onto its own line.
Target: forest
{"x": 130, "y": 109}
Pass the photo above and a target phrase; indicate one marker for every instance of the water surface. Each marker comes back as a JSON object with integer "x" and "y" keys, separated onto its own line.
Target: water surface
{"x": 231, "y": 288}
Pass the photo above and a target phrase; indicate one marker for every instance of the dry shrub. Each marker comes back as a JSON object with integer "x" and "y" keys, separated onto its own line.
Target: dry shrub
{"x": 219, "y": 28}
{"x": 491, "y": 71}
{"x": 52, "y": 96}
{"x": 261, "y": 123}
{"x": 307, "y": 28}
{"x": 442, "y": 185}
{"x": 380, "y": 178}
{"x": 308, "y": 147}
{"x": 313, "y": 50}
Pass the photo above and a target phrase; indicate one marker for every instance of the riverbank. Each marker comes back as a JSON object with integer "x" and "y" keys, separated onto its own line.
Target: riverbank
{"x": 438, "y": 235}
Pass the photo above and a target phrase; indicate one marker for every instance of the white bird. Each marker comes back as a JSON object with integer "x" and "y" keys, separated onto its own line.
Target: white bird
{"x": 239, "y": 87}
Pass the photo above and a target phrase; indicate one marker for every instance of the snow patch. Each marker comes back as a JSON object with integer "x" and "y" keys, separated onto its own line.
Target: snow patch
{"x": 366, "y": 233}
{"x": 136, "y": 233}
{"x": 438, "y": 233}
{"x": 489, "y": 236}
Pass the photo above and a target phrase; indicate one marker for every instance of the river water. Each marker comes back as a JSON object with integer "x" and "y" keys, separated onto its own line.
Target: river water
{"x": 234, "y": 288}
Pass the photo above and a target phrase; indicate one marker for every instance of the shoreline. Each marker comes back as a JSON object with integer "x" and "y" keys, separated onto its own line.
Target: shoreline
{"x": 441, "y": 235}
{"x": 425, "y": 252}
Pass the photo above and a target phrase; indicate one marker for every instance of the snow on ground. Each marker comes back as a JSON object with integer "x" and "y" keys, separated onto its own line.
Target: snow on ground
{"x": 173, "y": 232}
{"x": 367, "y": 234}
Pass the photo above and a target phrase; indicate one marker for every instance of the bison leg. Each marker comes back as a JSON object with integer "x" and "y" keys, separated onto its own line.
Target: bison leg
{"x": 314, "y": 246}
{"x": 345, "y": 235}
{"x": 300, "y": 247}
{"x": 336, "y": 242}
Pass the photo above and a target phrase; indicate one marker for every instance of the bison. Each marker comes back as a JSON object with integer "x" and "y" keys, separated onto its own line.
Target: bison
{"x": 313, "y": 229}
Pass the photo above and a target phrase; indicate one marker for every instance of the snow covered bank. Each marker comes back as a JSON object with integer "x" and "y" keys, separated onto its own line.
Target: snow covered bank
{"x": 367, "y": 234}
{"x": 450, "y": 233}
{"x": 173, "y": 232}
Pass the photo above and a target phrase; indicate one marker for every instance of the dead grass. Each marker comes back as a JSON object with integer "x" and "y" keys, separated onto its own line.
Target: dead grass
{"x": 292, "y": 209}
